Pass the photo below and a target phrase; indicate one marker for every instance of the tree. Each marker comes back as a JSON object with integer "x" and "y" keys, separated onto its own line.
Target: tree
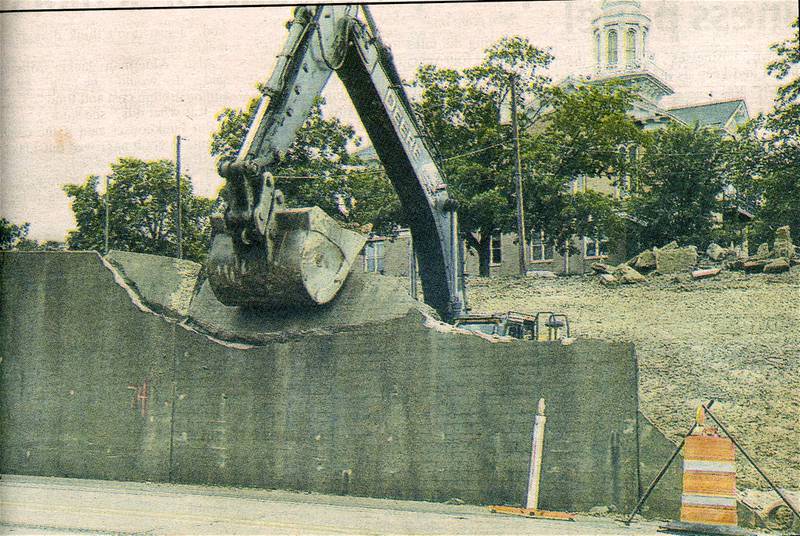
{"x": 141, "y": 211}
{"x": 680, "y": 178}
{"x": 774, "y": 147}
{"x": 12, "y": 234}
{"x": 318, "y": 169}
{"x": 460, "y": 110}
{"x": 586, "y": 134}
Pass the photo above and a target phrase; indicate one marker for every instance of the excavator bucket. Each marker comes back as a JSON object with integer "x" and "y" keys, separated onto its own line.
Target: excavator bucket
{"x": 310, "y": 259}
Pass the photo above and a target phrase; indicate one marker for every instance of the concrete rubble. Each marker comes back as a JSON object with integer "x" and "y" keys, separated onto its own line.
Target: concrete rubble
{"x": 783, "y": 246}
{"x": 612, "y": 275}
{"x": 715, "y": 252}
{"x": 677, "y": 260}
{"x": 628, "y": 275}
{"x": 672, "y": 260}
{"x": 709, "y": 272}
{"x": 780, "y": 258}
{"x": 777, "y": 266}
{"x": 646, "y": 260}
{"x": 608, "y": 280}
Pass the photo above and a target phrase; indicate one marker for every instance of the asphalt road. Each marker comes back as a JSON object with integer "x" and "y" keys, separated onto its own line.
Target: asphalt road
{"x": 43, "y": 505}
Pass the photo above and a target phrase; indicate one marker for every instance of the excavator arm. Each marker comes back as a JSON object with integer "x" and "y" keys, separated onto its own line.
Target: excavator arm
{"x": 264, "y": 254}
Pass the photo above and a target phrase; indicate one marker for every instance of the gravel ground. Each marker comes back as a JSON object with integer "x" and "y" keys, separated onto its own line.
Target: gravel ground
{"x": 734, "y": 338}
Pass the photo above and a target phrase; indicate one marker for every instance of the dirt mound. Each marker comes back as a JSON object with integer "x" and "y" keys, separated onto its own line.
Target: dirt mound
{"x": 734, "y": 338}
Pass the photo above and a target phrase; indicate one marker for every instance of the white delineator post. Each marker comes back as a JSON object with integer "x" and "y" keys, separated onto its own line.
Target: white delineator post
{"x": 535, "y": 472}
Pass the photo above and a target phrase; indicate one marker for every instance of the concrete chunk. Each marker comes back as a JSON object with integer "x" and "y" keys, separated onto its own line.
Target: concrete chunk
{"x": 628, "y": 275}
{"x": 542, "y": 274}
{"x": 608, "y": 280}
{"x": 756, "y": 265}
{"x": 777, "y": 266}
{"x": 602, "y": 268}
{"x": 783, "y": 246}
{"x": 674, "y": 259}
{"x": 646, "y": 260}
{"x": 715, "y": 252}
{"x": 702, "y": 274}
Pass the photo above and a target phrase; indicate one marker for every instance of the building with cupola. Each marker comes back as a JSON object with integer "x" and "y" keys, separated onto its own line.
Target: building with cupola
{"x": 620, "y": 38}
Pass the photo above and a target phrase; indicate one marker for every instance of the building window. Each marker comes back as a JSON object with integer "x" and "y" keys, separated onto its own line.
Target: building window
{"x": 644, "y": 43}
{"x": 541, "y": 250}
{"x": 630, "y": 47}
{"x": 579, "y": 184}
{"x": 598, "y": 48}
{"x": 595, "y": 247}
{"x": 373, "y": 256}
{"x": 633, "y": 156}
{"x": 496, "y": 245}
{"x": 612, "y": 47}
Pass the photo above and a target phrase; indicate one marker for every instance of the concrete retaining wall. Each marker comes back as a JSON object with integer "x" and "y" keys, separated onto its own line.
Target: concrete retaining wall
{"x": 93, "y": 385}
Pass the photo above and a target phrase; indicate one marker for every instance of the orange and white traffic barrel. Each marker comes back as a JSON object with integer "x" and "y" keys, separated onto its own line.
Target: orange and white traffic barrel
{"x": 709, "y": 478}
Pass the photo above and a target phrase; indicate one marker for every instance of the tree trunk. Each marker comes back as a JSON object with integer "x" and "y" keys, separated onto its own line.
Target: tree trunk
{"x": 483, "y": 247}
{"x": 485, "y": 255}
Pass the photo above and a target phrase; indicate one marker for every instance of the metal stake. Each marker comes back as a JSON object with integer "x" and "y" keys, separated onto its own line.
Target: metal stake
{"x": 663, "y": 469}
{"x": 535, "y": 470}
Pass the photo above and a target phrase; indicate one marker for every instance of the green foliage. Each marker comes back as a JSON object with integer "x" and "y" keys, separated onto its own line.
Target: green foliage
{"x": 586, "y": 133}
{"x": 460, "y": 110}
{"x": 141, "y": 199}
{"x": 786, "y": 117}
{"x": 318, "y": 169}
{"x": 773, "y": 142}
{"x": 12, "y": 234}
{"x": 232, "y": 126}
{"x": 681, "y": 175}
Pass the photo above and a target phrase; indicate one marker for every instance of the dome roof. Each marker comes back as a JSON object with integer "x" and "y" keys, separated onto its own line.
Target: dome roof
{"x": 608, "y": 4}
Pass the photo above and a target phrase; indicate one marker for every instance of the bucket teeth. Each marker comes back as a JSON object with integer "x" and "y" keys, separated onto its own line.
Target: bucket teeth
{"x": 310, "y": 259}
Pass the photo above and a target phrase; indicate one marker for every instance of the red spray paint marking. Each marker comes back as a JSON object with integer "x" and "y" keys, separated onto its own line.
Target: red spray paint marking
{"x": 139, "y": 398}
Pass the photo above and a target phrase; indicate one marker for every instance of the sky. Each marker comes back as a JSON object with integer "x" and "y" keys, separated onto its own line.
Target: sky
{"x": 80, "y": 89}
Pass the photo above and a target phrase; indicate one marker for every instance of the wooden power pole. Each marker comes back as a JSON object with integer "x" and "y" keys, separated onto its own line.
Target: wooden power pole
{"x": 523, "y": 265}
{"x": 108, "y": 213}
{"x": 178, "y": 207}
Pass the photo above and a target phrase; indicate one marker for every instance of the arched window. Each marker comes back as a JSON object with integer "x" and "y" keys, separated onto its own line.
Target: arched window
{"x": 630, "y": 47}
{"x": 598, "y": 48}
{"x": 612, "y": 47}
{"x": 644, "y": 43}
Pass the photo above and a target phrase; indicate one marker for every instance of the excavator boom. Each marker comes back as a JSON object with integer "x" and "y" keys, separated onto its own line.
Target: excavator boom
{"x": 263, "y": 254}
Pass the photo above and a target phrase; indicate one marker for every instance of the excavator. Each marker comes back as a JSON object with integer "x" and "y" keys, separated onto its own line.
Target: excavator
{"x": 266, "y": 255}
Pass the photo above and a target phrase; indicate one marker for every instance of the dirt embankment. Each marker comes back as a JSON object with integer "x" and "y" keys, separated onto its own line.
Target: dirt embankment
{"x": 734, "y": 338}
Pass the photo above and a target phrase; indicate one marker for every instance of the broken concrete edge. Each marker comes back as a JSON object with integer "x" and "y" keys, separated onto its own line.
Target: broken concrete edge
{"x": 171, "y": 310}
{"x": 231, "y": 339}
{"x": 443, "y": 327}
{"x": 136, "y": 300}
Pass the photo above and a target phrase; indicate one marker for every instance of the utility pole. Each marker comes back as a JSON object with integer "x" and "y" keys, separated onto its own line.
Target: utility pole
{"x": 523, "y": 265}
{"x": 178, "y": 209}
{"x": 105, "y": 231}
